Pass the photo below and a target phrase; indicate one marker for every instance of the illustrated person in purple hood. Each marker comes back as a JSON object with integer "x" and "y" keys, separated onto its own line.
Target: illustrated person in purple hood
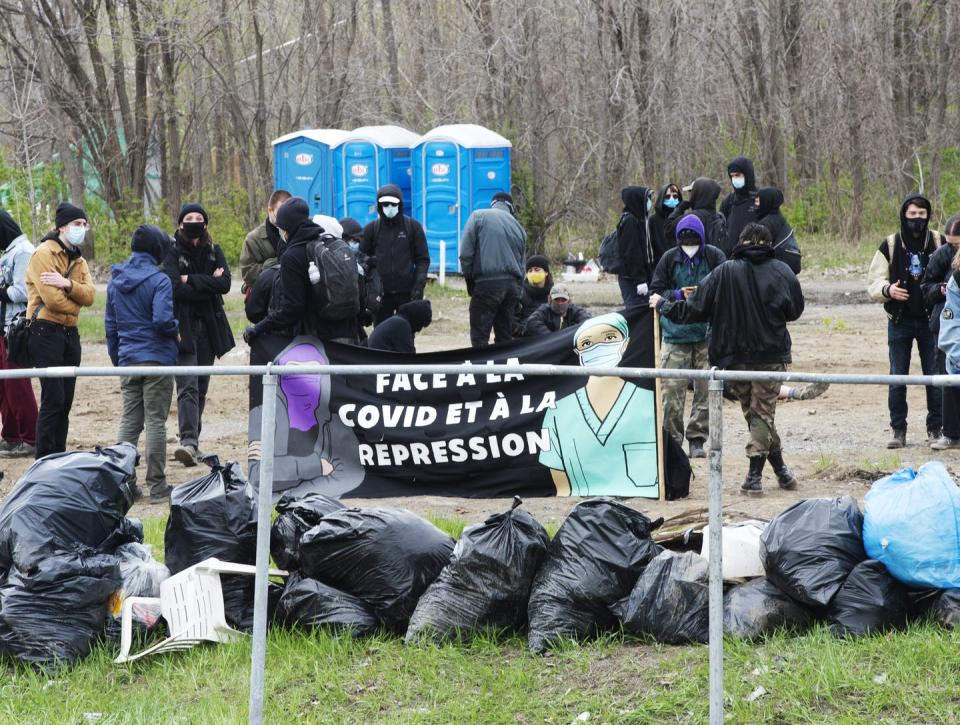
{"x": 313, "y": 451}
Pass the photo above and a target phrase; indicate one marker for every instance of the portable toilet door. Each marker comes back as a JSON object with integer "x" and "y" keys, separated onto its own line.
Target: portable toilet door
{"x": 303, "y": 165}
{"x": 457, "y": 169}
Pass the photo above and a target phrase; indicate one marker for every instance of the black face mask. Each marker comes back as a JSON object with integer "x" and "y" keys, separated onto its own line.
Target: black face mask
{"x": 917, "y": 227}
{"x": 193, "y": 230}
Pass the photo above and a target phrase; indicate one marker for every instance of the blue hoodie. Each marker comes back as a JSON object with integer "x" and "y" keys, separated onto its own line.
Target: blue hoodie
{"x": 139, "y": 317}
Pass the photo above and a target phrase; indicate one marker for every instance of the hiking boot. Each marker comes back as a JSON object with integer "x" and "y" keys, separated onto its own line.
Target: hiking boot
{"x": 17, "y": 450}
{"x": 945, "y": 444}
{"x": 753, "y": 483}
{"x": 7, "y": 447}
{"x": 785, "y": 478}
{"x": 899, "y": 439}
{"x": 696, "y": 449}
{"x": 810, "y": 391}
{"x": 933, "y": 435}
{"x": 160, "y": 495}
{"x": 187, "y": 455}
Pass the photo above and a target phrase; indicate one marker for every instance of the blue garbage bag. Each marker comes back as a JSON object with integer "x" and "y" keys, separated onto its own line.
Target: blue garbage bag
{"x": 911, "y": 523}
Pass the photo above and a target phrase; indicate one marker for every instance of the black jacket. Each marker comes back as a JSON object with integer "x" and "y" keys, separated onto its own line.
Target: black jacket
{"x": 937, "y": 273}
{"x": 200, "y": 298}
{"x": 261, "y": 297}
{"x": 394, "y": 334}
{"x": 661, "y": 236}
{"x": 294, "y": 312}
{"x": 636, "y": 249}
{"x": 737, "y": 207}
{"x": 748, "y": 301}
{"x": 544, "y": 320}
{"x": 768, "y": 213}
{"x": 703, "y": 203}
{"x": 532, "y": 297}
{"x": 400, "y": 247}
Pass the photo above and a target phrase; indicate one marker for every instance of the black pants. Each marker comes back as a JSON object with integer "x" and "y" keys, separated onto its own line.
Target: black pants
{"x": 951, "y": 401}
{"x": 493, "y": 305}
{"x": 192, "y": 389}
{"x": 389, "y": 305}
{"x": 54, "y": 345}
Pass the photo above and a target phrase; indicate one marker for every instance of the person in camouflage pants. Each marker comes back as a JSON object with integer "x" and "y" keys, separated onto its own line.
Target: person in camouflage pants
{"x": 689, "y": 356}
{"x": 758, "y": 401}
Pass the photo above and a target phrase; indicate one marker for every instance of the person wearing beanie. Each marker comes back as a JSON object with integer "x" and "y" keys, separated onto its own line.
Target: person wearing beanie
{"x": 398, "y": 243}
{"x": 261, "y": 246}
{"x": 537, "y": 283}
{"x": 200, "y": 276}
{"x": 677, "y": 275}
{"x": 493, "y": 247}
{"x": 141, "y": 330}
{"x": 748, "y": 301}
{"x": 58, "y": 284}
{"x": 396, "y": 333}
{"x": 352, "y": 231}
{"x": 18, "y": 405}
{"x": 559, "y": 314}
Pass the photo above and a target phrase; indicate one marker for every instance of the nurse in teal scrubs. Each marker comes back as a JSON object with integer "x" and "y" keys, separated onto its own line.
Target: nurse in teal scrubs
{"x": 603, "y": 438}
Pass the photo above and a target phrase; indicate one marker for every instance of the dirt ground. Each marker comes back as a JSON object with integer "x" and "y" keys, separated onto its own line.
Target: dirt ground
{"x": 835, "y": 443}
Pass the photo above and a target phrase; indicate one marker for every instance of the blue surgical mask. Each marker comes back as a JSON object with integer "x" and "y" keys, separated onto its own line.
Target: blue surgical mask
{"x": 739, "y": 182}
{"x": 602, "y": 355}
{"x": 76, "y": 235}
{"x": 390, "y": 210}
{"x": 671, "y": 203}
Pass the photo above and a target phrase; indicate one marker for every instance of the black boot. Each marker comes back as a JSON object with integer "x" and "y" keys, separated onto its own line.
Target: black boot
{"x": 785, "y": 477}
{"x": 752, "y": 484}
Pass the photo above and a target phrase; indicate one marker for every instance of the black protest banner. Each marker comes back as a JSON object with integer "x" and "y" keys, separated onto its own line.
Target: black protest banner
{"x": 468, "y": 435}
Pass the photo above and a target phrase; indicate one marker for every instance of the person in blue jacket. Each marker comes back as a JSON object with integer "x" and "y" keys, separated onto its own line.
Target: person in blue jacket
{"x": 141, "y": 330}
{"x": 949, "y": 339}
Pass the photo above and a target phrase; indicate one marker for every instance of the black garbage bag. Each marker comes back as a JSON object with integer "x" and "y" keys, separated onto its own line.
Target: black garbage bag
{"x": 945, "y": 611}
{"x": 594, "y": 560}
{"x": 487, "y": 582}
{"x": 809, "y": 549}
{"x": 386, "y": 557}
{"x": 922, "y": 602}
{"x": 310, "y": 604}
{"x": 869, "y": 601}
{"x": 216, "y": 516}
{"x": 670, "y": 600}
{"x": 52, "y": 614}
{"x": 296, "y": 516}
{"x": 65, "y": 501}
{"x": 758, "y": 608}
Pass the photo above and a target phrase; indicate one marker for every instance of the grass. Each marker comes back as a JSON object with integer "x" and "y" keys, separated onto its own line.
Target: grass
{"x": 826, "y": 252}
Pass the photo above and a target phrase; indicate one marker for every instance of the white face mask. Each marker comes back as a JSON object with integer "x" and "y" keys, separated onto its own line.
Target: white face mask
{"x": 690, "y": 251}
{"x": 76, "y": 235}
{"x": 390, "y": 210}
{"x": 602, "y": 355}
{"x": 649, "y": 204}
{"x": 738, "y": 182}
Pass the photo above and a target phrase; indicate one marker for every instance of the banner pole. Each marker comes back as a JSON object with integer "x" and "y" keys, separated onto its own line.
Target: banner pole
{"x": 264, "y": 508}
{"x": 659, "y": 408}
{"x": 715, "y": 545}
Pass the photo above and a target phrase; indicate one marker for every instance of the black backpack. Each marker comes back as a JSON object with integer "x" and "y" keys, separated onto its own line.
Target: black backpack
{"x": 336, "y": 293}
{"x": 371, "y": 287}
{"x": 609, "y": 254}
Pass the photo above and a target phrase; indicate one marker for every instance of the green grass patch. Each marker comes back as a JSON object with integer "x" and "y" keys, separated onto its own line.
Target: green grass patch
{"x": 826, "y": 251}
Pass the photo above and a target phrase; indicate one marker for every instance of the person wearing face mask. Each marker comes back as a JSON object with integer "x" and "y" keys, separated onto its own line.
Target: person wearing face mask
{"x": 558, "y": 314}
{"x": 603, "y": 437}
{"x": 260, "y": 247}
{"x": 371, "y": 285}
{"x": 676, "y": 277}
{"x": 738, "y": 206}
{"x": 748, "y": 301}
{"x": 895, "y": 279}
{"x": 58, "y": 284}
{"x": 200, "y": 276}
{"x": 936, "y": 277}
{"x": 669, "y": 198}
{"x": 400, "y": 248}
{"x": 396, "y": 334}
{"x": 635, "y": 245}
{"x": 701, "y": 200}
{"x": 537, "y": 283}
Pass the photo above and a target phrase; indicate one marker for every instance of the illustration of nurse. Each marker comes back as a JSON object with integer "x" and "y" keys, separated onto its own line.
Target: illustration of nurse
{"x": 603, "y": 438}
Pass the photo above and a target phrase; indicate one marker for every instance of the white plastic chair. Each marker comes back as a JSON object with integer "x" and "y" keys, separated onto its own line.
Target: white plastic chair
{"x": 192, "y": 603}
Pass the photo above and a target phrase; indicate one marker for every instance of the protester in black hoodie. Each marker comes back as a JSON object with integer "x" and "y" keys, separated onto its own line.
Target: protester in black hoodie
{"x": 669, "y": 199}
{"x": 737, "y": 208}
{"x": 398, "y": 243}
{"x": 767, "y": 211}
{"x": 200, "y": 276}
{"x": 895, "y": 279}
{"x": 701, "y": 199}
{"x": 635, "y": 245}
{"x": 396, "y": 334}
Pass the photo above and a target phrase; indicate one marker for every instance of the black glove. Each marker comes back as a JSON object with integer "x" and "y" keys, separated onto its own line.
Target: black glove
{"x": 4, "y": 294}
{"x": 416, "y": 293}
{"x": 249, "y": 333}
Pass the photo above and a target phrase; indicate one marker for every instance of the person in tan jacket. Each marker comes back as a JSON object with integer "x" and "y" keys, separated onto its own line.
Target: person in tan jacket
{"x": 58, "y": 285}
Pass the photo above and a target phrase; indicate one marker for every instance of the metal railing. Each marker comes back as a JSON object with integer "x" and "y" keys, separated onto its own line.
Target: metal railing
{"x": 271, "y": 372}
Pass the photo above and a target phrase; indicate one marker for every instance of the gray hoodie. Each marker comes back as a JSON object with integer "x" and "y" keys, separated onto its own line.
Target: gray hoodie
{"x": 493, "y": 245}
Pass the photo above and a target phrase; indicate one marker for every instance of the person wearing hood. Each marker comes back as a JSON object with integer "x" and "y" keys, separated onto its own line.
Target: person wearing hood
{"x": 676, "y": 277}
{"x": 767, "y": 205}
{"x": 669, "y": 199}
{"x": 18, "y": 405}
{"x": 559, "y": 314}
{"x": 260, "y": 249}
{"x": 200, "y": 276}
{"x": 141, "y": 330}
{"x": 58, "y": 286}
{"x": 493, "y": 247}
{"x": 895, "y": 279}
{"x": 748, "y": 302}
{"x": 701, "y": 199}
{"x": 635, "y": 245}
{"x": 537, "y": 283}
{"x": 738, "y": 206}
{"x": 396, "y": 334}
{"x": 400, "y": 248}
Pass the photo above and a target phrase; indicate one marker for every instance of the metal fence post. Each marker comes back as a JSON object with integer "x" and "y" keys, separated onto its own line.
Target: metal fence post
{"x": 264, "y": 507}
{"x": 716, "y": 552}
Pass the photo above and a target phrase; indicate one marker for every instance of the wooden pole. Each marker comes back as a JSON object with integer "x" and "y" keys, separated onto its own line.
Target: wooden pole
{"x": 661, "y": 479}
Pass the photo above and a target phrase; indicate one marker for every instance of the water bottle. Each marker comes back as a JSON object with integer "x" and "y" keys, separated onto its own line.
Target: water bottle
{"x": 915, "y": 269}
{"x": 313, "y": 272}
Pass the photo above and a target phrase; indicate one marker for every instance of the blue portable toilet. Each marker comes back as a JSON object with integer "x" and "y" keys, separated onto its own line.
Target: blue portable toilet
{"x": 303, "y": 165}
{"x": 456, "y": 169}
{"x": 366, "y": 159}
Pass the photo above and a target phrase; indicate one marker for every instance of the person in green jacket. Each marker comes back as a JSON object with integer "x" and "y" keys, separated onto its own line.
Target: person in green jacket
{"x": 260, "y": 246}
